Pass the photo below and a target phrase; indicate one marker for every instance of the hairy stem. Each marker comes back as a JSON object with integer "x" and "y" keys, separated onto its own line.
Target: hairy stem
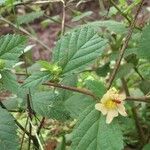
{"x": 124, "y": 46}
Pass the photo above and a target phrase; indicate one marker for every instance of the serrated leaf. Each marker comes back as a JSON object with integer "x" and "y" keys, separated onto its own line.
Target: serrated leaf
{"x": 81, "y": 16}
{"x": 145, "y": 86}
{"x": 48, "y": 105}
{"x": 69, "y": 81}
{"x": 77, "y": 103}
{"x": 143, "y": 50}
{"x": 111, "y": 25}
{"x": 9, "y": 81}
{"x": 11, "y": 46}
{"x": 92, "y": 133}
{"x": 77, "y": 49}
{"x": 103, "y": 70}
{"x": 96, "y": 87}
{"x": 29, "y": 17}
{"x": 124, "y": 70}
{"x": 36, "y": 79}
{"x": 8, "y": 134}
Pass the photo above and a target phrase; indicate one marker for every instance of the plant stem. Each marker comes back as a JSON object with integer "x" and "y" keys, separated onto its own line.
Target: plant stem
{"x": 145, "y": 99}
{"x": 123, "y": 14}
{"x": 22, "y": 128}
{"x": 40, "y": 126}
{"x": 125, "y": 45}
{"x": 137, "y": 71}
{"x": 135, "y": 114}
{"x": 63, "y": 17}
{"x": 25, "y": 32}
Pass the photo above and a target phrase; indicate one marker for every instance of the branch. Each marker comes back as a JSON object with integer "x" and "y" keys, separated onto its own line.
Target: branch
{"x": 145, "y": 99}
{"x": 70, "y": 88}
{"x": 139, "y": 99}
{"x": 41, "y": 125}
{"x": 124, "y": 46}
{"x": 63, "y": 18}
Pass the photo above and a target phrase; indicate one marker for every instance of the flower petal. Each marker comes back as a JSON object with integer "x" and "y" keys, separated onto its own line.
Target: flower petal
{"x": 110, "y": 115}
{"x": 100, "y": 107}
{"x": 121, "y": 109}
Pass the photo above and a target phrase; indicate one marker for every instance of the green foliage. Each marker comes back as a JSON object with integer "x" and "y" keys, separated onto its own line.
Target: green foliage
{"x": 103, "y": 70}
{"x": 29, "y": 17}
{"x": 146, "y": 147}
{"x": 143, "y": 50}
{"x": 96, "y": 87}
{"x": 8, "y": 131}
{"x": 77, "y": 103}
{"x": 9, "y": 82}
{"x": 124, "y": 70}
{"x": 2, "y": 64}
{"x": 37, "y": 78}
{"x": 48, "y": 104}
{"x": 65, "y": 89}
{"x": 11, "y": 46}
{"x": 110, "y": 25}
{"x": 80, "y": 16}
{"x": 91, "y": 132}
{"x": 77, "y": 49}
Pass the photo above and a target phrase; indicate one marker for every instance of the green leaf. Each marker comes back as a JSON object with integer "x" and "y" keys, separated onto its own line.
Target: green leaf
{"x": 69, "y": 81}
{"x": 124, "y": 70}
{"x": 103, "y": 70}
{"x": 36, "y": 79}
{"x": 29, "y": 17}
{"x": 11, "y": 46}
{"x": 143, "y": 50}
{"x": 77, "y": 103}
{"x": 145, "y": 86}
{"x": 9, "y": 82}
{"x": 76, "y": 50}
{"x": 8, "y": 134}
{"x": 111, "y": 25}
{"x": 81, "y": 16}
{"x": 47, "y": 104}
{"x": 92, "y": 133}
{"x": 96, "y": 87}
{"x": 146, "y": 147}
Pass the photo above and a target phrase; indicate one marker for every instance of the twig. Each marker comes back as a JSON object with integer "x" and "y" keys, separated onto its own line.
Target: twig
{"x": 139, "y": 99}
{"x": 23, "y": 136}
{"x": 145, "y": 99}
{"x": 123, "y": 14}
{"x": 123, "y": 48}
{"x": 70, "y": 88}
{"x": 137, "y": 71}
{"x": 26, "y": 32}
{"x": 40, "y": 126}
{"x": 63, "y": 17}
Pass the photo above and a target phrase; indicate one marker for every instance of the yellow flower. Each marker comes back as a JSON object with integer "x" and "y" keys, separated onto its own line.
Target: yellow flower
{"x": 111, "y": 104}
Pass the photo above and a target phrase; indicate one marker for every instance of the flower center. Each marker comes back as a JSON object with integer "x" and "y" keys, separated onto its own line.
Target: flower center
{"x": 110, "y": 104}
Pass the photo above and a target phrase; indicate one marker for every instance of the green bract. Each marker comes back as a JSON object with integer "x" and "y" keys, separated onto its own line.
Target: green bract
{"x": 54, "y": 69}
